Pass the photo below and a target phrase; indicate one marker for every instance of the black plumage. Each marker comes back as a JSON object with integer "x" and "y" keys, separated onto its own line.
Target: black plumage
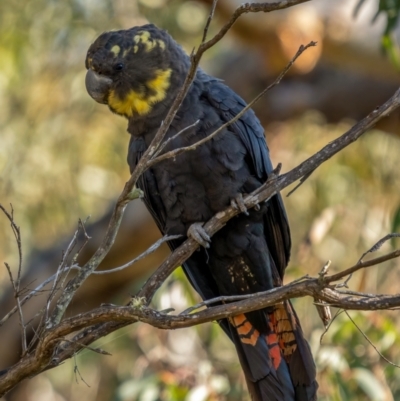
{"x": 251, "y": 252}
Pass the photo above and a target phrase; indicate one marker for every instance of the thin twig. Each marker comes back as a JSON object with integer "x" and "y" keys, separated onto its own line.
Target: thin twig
{"x": 379, "y": 244}
{"x": 73, "y": 262}
{"x": 371, "y": 343}
{"x": 230, "y": 298}
{"x": 61, "y": 270}
{"x": 18, "y": 308}
{"x": 77, "y": 372}
{"x": 17, "y": 283}
{"x": 75, "y": 283}
{"x": 374, "y": 248}
{"x": 227, "y": 298}
{"x": 209, "y": 19}
{"x": 96, "y": 350}
{"x": 301, "y": 182}
{"x": 362, "y": 265}
{"x": 34, "y": 292}
{"x": 17, "y": 235}
{"x": 327, "y": 327}
{"x": 150, "y": 250}
{"x": 165, "y": 143}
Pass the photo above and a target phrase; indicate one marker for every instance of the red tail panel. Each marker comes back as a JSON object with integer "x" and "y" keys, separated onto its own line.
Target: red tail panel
{"x": 277, "y": 363}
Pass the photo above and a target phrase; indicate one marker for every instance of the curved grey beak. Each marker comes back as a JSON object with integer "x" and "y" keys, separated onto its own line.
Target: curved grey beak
{"x": 97, "y": 86}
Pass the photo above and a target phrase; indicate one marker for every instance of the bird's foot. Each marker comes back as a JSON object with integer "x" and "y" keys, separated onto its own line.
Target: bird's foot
{"x": 238, "y": 203}
{"x": 199, "y": 234}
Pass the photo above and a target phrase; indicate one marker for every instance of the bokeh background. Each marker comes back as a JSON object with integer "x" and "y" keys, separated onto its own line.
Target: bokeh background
{"x": 63, "y": 157}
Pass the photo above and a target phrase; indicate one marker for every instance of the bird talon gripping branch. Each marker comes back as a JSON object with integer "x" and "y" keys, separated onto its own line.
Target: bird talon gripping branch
{"x": 138, "y": 73}
{"x": 238, "y": 203}
{"x": 199, "y": 234}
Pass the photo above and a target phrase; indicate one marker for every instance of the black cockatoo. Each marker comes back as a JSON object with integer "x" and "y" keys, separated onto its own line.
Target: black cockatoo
{"x": 138, "y": 73}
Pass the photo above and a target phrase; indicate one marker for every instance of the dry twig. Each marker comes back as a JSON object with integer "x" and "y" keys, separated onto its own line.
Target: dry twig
{"x": 16, "y": 283}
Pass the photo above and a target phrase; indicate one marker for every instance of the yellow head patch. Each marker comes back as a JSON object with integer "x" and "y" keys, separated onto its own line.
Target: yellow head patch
{"x": 136, "y": 101}
{"x": 148, "y": 42}
{"x": 115, "y": 50}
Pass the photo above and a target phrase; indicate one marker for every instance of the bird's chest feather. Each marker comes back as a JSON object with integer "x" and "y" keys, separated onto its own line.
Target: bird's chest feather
{"x": 198, "y": 183}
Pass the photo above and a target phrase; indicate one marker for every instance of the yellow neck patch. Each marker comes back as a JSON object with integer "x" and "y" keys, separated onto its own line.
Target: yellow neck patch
{"x": 136, "y": 102}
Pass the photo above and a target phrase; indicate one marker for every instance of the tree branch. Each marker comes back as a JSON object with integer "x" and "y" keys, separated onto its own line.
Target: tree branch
{"x": 48, "y": 353}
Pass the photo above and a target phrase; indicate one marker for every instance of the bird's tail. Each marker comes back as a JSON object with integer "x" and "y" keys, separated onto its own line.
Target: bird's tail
{"x": 275, "y": 357}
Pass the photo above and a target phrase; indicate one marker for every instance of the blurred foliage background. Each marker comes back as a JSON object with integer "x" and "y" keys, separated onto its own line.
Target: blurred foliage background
{"x": 62, "y": 156}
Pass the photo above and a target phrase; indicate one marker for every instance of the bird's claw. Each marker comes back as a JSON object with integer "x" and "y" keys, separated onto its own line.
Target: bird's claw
{"x": 238, "y": 203}
{"x": 199, "y": 234}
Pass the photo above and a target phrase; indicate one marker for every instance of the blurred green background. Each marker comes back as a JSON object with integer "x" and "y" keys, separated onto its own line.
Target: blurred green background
{"x": 62, "y": 156}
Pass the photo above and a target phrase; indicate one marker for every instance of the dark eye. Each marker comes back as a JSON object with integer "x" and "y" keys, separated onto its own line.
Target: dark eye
{"x": 118, "y": 67}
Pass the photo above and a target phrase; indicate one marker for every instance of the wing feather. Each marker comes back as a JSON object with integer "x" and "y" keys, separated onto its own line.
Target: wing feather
{"x": 251, "y": 132}
{"x": 195, "y": 268}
